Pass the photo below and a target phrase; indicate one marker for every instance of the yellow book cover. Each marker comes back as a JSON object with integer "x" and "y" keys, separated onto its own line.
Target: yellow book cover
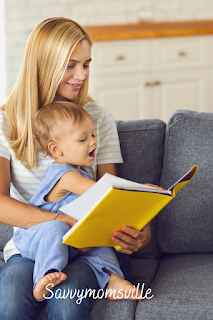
{"x": 112, "y": 203}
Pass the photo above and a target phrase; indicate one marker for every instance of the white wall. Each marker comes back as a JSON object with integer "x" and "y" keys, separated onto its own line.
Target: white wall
{"x": 22, "y": 15}
{"x": 2, "y": 56}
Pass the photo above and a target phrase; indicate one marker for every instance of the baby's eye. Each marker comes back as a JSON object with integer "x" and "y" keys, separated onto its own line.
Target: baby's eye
{"x": 82, "y": 140}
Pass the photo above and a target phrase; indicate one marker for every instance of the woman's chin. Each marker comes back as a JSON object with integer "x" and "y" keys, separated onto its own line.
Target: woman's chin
{"x": 70, "y": 97}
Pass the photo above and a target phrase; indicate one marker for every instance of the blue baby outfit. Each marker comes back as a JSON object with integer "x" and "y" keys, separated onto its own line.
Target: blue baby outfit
{"x": 43, "y": 242}
{"x": 53, "y": 175}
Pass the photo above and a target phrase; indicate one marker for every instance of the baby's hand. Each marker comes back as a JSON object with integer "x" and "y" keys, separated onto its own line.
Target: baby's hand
{"x": 83, "y": 250}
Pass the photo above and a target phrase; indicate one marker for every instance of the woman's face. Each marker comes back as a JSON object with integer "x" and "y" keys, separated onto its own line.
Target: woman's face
{"x": 76, "y": 73}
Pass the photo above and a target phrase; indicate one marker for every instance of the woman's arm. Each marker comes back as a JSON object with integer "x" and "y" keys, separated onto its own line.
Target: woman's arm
{"x": 19, "y": 214}
{"x": 106, "y": 168}
{"x": 129, "y": 239}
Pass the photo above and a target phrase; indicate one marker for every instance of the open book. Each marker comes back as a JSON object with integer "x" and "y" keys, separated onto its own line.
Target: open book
{"x": 113, "y": 203}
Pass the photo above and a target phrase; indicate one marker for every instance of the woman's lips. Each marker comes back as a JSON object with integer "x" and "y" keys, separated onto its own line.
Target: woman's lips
{"x": 74, "y": 86}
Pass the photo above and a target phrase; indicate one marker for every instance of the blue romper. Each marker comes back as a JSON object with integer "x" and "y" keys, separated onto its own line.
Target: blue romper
{"x": 42, "y": 243}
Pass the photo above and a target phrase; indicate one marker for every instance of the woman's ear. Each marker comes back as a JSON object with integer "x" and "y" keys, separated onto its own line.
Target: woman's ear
{"x": 55, "y": 149}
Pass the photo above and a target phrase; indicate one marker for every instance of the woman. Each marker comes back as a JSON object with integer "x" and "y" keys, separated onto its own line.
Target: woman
{"x": 55, "y": 67}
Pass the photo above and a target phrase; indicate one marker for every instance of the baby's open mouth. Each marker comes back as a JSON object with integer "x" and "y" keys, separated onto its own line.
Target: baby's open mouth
{"x": 92, "y": 154}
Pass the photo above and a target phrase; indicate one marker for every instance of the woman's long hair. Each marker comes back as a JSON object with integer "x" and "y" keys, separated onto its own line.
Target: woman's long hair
{"x": 47, "y": 54}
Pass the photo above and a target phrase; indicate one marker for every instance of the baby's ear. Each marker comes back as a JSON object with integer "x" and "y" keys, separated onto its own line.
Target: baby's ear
{"x": 55, "y": 149}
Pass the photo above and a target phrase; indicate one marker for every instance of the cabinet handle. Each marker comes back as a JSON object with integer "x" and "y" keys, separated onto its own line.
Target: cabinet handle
{"x": 121, "y": 58}
{"x": 183, "y": 53}
{"x": 149, "y": 84}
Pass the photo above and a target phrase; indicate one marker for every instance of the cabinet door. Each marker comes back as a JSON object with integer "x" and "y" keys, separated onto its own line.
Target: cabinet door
{"x": 180, "y": 90}
{"x": 179, "y": 52}
{"x": 114, "y": 57}
{"x": 125, "y": 96}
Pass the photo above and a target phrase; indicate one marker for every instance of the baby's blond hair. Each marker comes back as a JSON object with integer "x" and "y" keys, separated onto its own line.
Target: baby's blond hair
{"x": 49, "y": 119}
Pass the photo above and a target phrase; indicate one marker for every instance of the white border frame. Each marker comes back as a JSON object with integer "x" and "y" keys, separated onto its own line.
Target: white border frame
{"x": 2, "y": 56}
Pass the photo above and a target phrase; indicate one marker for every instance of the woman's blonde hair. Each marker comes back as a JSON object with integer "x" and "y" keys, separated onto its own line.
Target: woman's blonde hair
{"x": 47, "y": 54}
{"x": 49, "y": 120}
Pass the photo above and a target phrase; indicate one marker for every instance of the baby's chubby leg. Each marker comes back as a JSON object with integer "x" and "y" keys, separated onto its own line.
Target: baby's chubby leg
{"x": 43, "y": 244}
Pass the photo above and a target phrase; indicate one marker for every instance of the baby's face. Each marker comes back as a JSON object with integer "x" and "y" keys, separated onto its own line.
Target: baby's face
{"x": 78, "y": 143}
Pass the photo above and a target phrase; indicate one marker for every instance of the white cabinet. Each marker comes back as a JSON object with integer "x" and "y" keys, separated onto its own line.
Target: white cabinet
{"x": 179, "y": 90}
{"x": 122, "y": 95}
{"x": 137, "y": 79}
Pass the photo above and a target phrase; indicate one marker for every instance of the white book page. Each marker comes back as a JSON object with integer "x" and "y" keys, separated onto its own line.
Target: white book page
{"x": 79, "y": 207}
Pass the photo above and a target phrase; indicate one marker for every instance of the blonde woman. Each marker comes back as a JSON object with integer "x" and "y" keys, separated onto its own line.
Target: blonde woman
{"x": 55, "y": 68}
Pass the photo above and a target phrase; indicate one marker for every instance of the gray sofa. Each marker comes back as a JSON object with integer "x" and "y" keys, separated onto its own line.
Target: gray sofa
{"x": 178, "y": 262}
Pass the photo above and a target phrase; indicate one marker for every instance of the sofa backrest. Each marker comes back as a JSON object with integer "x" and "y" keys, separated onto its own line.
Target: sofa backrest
{"x": 142, "y": 146}
{"x": 185, "y": 224}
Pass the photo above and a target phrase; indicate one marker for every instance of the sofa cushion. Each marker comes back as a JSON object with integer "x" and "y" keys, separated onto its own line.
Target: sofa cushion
{"x": 2, "y": 263}
{"x": 6, "y": 233}
{"x": 185, "y": 224}
{"x": 183, "y": 289}
{"x": 142, "y": 145}
{"x": 144, "y": 271}
{"x": 105, "y": 309}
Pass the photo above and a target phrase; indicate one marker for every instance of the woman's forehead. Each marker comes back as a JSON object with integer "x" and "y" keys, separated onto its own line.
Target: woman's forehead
{"x": 83, "y": 48}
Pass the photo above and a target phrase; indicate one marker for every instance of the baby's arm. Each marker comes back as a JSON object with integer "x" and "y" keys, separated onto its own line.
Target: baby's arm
{"x": 74, "y": 182}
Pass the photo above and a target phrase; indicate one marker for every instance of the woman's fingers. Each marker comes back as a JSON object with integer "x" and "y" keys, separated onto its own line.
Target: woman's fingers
{"x": 131, "y": 240}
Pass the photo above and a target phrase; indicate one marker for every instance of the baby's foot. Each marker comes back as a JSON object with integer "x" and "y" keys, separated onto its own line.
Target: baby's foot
{"x": 120, "y": 289}
{"x": 54, "y": 279}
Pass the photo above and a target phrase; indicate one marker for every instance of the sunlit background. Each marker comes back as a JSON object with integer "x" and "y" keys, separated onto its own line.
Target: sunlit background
{"x": 2, "y": 56}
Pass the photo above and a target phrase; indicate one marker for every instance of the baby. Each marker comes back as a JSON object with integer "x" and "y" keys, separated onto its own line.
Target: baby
{"x": 65, "y": 132}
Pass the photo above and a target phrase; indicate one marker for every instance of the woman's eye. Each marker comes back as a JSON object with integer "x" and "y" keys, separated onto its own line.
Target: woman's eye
{"x": 86, "y": 66}
{"x": 70, "y": 66}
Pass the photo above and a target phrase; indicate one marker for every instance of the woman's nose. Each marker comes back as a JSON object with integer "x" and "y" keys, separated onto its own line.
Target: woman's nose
{"x": 80, "y": 74}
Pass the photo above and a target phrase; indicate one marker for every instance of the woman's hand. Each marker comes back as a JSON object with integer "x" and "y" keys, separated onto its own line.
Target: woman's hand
{"x": 131, "y": 240}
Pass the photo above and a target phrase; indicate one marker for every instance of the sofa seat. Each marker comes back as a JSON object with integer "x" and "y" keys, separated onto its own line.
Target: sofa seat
{"x": 183, "y": 289}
